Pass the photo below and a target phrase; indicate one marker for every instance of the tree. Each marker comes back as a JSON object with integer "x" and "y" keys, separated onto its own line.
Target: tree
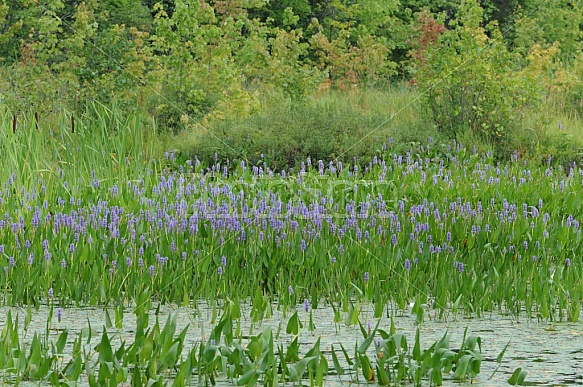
{"x": 470, "y": 81}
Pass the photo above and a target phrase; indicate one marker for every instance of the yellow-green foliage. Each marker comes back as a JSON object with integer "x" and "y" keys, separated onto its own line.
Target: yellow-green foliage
{"x": 470, "y": 81}
{"x": 193, "y": 62}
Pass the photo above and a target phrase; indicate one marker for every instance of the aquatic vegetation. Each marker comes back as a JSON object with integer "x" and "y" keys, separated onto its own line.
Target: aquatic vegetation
{"x": 433, "y": 226}
{"x": 439, "y": 231}
{"x": 160, "y": 354}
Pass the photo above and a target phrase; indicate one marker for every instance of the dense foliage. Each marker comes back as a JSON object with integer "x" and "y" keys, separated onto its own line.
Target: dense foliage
{"x": 439, "y": 224}
{"x": 479, "y": 65}
{"x": 294, "y": 129}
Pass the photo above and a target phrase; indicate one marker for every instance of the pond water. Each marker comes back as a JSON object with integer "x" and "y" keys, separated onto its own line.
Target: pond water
{"x": 552, "y": 354}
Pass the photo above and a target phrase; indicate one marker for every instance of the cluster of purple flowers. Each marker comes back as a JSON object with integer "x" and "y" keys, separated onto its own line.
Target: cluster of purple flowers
{"x": 179, "y": 213}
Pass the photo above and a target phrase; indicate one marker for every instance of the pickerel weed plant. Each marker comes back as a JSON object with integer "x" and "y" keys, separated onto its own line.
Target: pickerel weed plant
{"x": 447, "y": 227}
{"x": 157, "y": 355}
{"x": 440, "y": 229}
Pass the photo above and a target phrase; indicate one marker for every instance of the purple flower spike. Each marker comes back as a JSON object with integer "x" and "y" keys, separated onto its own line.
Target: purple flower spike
{"x": 59, "y": 314}
{"x": 220, "y": 270}
{"x": 366, "y": 276}
{"x": 306, "y": 305}
{"x": 50, "y": 292}
{"x": 568, "y": 262}
{"x": 407, "y": 264}
{"x": 290, "y": 289}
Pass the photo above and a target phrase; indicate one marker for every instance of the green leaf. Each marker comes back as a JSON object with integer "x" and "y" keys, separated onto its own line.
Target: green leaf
{"x": 501, "y": 354}
{"x": 105, "y": 350}
{"x": 366, "y": 343}
{"x": 436, "y": 376}
{"x": 337, "y": 366}
{"x": 147, "y": 349}
{"x": 22, "y": 362}
{"x": 44, "y": 368}
{"x": 249, "y": 378}
{"x": 255, "y": 348}
{"x": 417, "y": 346}
{"x": 35, "y": 351}
{"x": 517, "y": 378}
{"x": 322, "y": 370}
{"x": 62, "y": 341}
{"x": 169, "y": 359}
{"x": 108, "y": 323}
{"x": 89, "y": 331}
{"x": 366, "y": 367}
{"x": 208, "y": 354}
{"x": 461, "y": 369}
{"x": 346, "y": 356}
{"x": 311, "y": 326}
{"x": 292, "y": 353}
{"x": 294, "y": 324}
{"x": 392, "y": 330}
{"x": 383, "y": 378}
{"x": 297, "y": 370}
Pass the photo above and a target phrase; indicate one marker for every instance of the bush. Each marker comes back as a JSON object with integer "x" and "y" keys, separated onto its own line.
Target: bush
{"x": 287, "y": 136}
{"x": 336, "y": 125}
{"x": 470, "y": 82}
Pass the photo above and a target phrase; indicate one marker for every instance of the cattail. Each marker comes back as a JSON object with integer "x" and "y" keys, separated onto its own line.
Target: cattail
{"x": 36, "y": 120}
{"x": 72, "y": 124}
{"x": 14, "y": 123}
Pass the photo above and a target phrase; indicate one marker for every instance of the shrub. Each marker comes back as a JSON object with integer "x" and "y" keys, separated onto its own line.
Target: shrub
{"x": 469, "y": 81}
{"x": 289, "y": 135}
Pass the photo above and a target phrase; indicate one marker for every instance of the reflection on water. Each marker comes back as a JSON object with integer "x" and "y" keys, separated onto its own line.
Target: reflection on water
{"x": 551, "y": 354}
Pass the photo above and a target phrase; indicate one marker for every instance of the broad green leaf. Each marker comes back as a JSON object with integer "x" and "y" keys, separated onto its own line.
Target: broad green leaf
{"x": 105, "y": 350}
{"x": 517, "y": 378}
{"x": 337, "y": 366}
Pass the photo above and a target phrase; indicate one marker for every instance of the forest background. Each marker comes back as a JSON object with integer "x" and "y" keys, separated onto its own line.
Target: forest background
{"x": 280, "y": 81}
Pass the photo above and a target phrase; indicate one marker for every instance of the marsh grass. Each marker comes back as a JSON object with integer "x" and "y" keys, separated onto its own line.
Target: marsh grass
{"x": 103, "y": 143}
{"x": 552, "y": 131}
